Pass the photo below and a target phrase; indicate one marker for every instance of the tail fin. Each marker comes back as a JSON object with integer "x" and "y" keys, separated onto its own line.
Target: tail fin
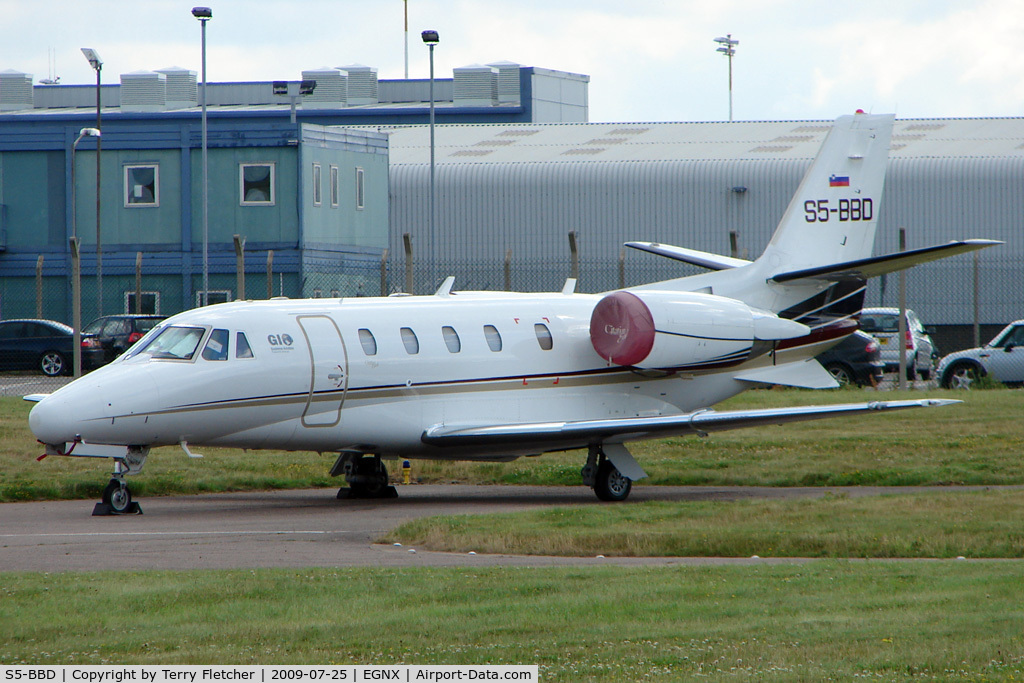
{"x": 833, "y": 215}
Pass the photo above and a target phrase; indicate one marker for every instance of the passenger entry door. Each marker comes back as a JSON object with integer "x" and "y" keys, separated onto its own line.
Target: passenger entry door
{"x": 328, "y": 371}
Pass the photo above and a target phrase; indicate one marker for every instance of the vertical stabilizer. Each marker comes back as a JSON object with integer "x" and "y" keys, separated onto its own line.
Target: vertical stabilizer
{"x": 833, "y": 215}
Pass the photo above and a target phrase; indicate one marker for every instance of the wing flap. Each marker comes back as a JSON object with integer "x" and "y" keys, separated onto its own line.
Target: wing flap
{"x": 559, "y": 435}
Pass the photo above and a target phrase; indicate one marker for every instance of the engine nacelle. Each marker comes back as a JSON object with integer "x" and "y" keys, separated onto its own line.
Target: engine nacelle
{"x": 674, "y": 330}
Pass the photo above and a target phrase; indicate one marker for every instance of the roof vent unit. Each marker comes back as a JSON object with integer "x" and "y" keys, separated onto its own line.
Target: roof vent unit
{"x": 182, "y": 91}
{"x": 331, "y": 89}
{"x": 362, "y": 84}
{"x": 143, "y": 91}
{"x": 475, "y": 85}
{"x": 508, "y": 82}
{"x": 15, "y": 90}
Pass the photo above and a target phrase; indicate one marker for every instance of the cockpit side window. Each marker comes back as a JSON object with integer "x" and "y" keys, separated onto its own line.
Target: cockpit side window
{"x": 217, "y": 346}
{"x": 242, "y": 348}
{"x": 175, "y": 343}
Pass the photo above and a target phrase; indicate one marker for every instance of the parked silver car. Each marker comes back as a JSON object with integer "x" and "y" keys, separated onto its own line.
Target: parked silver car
{"x": 918, "y": 347}
{"x": 1001, "y": 359}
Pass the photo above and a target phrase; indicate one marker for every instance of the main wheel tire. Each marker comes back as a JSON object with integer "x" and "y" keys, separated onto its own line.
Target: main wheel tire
{"x": 841, "y": 374}
{"x": 610, "y": 484}
{"x": 118, "y": 496}
{"x": 53, "y": 364}
{"x": 961, "y": 376}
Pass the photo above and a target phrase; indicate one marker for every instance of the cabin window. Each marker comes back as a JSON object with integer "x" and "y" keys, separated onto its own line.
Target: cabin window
{"x": 451, "y": 339}
{"x": 368, "y": 341}
{"x": 543, "y": 336}
{"x": 217, "y": 346}
{"x": 176, "y": 343}
{"x": 256, "y": 184}
{"x": 242, "y": 348}
{"x": 493, "y": 337}
{"x": 142, "y": 185}
{"x": 412, "y": 344}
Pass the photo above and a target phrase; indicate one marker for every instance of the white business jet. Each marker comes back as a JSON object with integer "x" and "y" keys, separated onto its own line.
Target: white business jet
{"x": 493, "y": 376}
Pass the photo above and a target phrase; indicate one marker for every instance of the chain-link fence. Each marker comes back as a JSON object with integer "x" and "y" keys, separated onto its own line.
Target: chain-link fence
{"x": 963, "y": 302}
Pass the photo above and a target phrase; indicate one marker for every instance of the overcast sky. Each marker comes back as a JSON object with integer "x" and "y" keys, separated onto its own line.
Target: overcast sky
{"x": 648, "y": 60}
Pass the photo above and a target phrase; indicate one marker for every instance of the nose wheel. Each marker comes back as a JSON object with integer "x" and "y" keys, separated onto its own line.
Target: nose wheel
{"x": 117, "y": 500}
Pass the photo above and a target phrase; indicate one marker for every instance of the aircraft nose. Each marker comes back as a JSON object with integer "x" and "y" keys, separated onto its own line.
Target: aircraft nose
{"x": 52, "y": 420}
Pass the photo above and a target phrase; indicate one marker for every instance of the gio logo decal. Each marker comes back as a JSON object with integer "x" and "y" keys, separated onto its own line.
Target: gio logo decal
{"x": 280, "y": 340}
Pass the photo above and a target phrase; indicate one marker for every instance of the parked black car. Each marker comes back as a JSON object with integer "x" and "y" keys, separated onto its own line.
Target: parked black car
{"x": 117, "y": 332}
{"x": 857, "y": 360}
{"x": 44, "y": 345}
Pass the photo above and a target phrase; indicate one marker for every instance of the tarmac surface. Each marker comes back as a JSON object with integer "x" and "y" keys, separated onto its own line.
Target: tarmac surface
{"x": 312, "y": 528}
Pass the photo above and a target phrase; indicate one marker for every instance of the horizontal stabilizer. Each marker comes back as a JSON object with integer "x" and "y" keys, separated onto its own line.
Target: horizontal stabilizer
{"x": 558, "y": 435}
{"x": 805, "y": 374}
{"x": 880, "y": 265}
{"x": 703, "y": 259}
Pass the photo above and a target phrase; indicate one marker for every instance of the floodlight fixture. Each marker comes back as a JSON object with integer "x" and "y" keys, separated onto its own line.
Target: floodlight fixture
{"x": 306, "y": 87}
{"x": 202, "y": 13}
{"x": 728, "y": 48}
{"x": 93, "y": 57}
{"x": 280, "y": 87}
{"x": 430, "y": 37}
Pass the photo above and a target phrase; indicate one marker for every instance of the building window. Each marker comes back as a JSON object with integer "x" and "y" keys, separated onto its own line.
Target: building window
{"x": 214, "y": 296}
{"x": 256, "y": 184}
{"x": 360, "y": 189}
{"x": 150, "y": 303}
{"x": 335, "y": 189}
{"x": 317, "y": 190}
{"x": 368, "y": 341}
{"x": 451, "y": 339}
{"x": 412, "y": 344}
{"x": 142, "y": 185}
{"x": 543, "y": 336}
{"x": 493, "y": 337}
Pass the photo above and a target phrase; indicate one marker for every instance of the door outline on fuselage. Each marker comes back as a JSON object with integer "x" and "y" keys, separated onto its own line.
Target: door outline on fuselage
{"x": 320, "y": 332}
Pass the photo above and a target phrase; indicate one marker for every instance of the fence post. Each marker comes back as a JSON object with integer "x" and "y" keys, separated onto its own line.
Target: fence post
{"x": 977, "y": 299}
{"x": 239, "y": 267}
{"x": 622, "y": 268}
{"x": 76, "y": 309}
{"x": 270, "y": 273}
{"x": 39, "y": 286}
{"x": 508, "y": 270}
{"x": 407, "y": 240}
{"x": 384, "y": 273}
{"x": 138, "y": 283}
{"x": 574, "y": 253}
{"x": 902, "y": 328}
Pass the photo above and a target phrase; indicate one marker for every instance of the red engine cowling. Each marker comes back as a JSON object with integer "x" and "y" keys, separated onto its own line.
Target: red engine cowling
{"x": 666, "y": 330}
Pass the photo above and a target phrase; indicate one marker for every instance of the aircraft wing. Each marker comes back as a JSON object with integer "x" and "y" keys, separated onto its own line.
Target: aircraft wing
{"x": 889, "y": 263}
{"x": 698, "y": 258}
{"x": 614, "y": 430}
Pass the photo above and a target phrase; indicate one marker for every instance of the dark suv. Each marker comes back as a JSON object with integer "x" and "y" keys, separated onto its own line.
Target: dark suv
{"x": 117, "y": 332}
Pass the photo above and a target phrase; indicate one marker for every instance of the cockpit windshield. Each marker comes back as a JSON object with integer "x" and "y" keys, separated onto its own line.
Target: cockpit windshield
{"x": 176, "y": 343}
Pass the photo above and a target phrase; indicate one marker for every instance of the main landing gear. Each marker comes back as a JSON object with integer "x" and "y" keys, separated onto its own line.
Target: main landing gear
{"x": 366, "y": 476}
{"x": 610, "y": 471}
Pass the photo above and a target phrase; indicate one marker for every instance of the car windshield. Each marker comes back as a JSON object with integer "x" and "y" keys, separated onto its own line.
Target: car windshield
{"x": 94, "y": 327}
{"x": 178, "y": 343}
{"x": 879, "y": 322}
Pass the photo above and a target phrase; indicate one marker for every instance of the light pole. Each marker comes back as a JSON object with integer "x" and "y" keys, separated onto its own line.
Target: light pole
{"x": 97, "y": 64}
{"x": 406, "y": 3}
{"x": 76, "y": 269}
{"x": 204, "y": 14}
{"x": 431, "y": 39}
{"x": 728, "y": 48}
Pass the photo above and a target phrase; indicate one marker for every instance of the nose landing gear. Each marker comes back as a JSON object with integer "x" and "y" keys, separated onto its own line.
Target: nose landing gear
{"x": 117, "y": 497}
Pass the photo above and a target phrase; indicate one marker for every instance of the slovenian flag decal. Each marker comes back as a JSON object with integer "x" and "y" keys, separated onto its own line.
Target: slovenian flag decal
{"x": 839, "y": 181}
